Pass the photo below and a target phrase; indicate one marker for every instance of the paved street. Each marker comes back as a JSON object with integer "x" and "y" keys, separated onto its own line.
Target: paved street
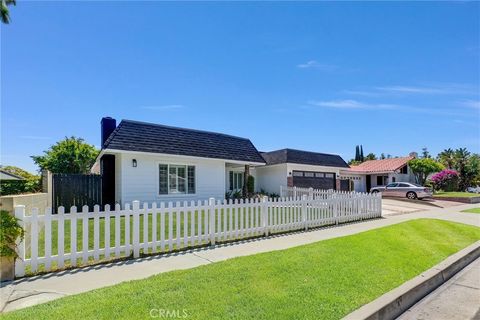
{"x": 457, "y": 299}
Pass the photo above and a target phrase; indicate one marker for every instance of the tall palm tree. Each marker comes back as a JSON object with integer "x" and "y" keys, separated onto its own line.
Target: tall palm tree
{"x": 447, "y": 158}
{"x": 5, "y": 16}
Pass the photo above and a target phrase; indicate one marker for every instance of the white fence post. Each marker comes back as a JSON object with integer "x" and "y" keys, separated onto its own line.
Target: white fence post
{"x": 136, "y": 228}
{"x": 304, "y": 211}
{"x": 335, "y": 210}
{"x": 310, "y": 193}
{"x": 19, "y": 262}
{"x": 264, "y": 216}
{"x": 211, "y": 204}
{"x": 295, "y": 192}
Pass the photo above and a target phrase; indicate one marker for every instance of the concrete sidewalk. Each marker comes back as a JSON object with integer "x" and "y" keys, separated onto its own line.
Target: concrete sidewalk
{"x": 456, "y": 299}
{"x": 33, "y": 290}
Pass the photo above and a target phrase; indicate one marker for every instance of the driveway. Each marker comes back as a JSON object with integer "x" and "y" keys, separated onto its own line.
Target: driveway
{"x": 391, "y": 206}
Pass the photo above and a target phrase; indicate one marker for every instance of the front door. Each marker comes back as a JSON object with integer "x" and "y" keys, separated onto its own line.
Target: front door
{"x": 369, "y": 182}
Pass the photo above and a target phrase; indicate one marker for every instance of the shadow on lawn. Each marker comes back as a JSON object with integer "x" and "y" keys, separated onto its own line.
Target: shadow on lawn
{"x": 177, "y": 252}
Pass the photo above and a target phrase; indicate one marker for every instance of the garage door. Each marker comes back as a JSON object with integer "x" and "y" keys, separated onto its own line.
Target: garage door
{"x": 312, "y": 179}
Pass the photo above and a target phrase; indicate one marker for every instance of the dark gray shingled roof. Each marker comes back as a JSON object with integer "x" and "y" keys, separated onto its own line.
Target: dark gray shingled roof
{"x": 147, "y": 137}
{"x": 304, "y": 157}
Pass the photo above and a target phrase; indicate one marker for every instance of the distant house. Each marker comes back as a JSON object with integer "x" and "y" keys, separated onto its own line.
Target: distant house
{"x": 5, "y": 175}
{"x": 297, "y": 168}
{"x": 374, "y": 173}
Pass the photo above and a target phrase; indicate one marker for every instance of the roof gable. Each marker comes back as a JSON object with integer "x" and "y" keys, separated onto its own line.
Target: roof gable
{"x": 155, "y": 138}
{"x": 384, "y": 165}
{"x": 304, "y": 157}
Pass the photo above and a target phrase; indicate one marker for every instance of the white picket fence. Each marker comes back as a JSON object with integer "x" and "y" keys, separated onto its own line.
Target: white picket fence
{"x": 56, "y": 241}
{"x": 316, "y": 193}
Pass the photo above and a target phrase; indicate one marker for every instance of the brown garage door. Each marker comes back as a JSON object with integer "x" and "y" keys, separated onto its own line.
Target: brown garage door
{"x": 312, "y": 179}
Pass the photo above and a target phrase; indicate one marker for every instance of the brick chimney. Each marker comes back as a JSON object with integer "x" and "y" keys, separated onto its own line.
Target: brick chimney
{"x": 107, "y": 125}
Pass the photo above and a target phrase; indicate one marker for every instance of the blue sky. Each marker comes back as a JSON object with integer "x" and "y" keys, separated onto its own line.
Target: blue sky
{"x": 325, "y": 77}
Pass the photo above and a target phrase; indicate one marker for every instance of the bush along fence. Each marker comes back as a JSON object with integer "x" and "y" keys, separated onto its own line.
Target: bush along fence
{"x": 79, "y": 238}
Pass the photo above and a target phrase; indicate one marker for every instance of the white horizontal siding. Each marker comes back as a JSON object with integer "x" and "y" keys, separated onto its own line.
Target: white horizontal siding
{"x": 141, "y": 183}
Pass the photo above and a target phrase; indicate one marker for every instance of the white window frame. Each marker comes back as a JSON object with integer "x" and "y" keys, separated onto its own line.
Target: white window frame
{"x": 236, "y": 175}
{"x": 176, "y": 165}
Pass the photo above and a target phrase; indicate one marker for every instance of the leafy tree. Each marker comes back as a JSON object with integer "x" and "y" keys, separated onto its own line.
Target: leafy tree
{"x": 371, "y": 156}
{"x": 357, "y": 153}
{"x": 382, "y": 156}
{"x": 467, "y": 166}
{"x": 422, "y": 167}
{"x": 4, "y": 13}
{"x": 447, "y": 158}
{"x": 71, "y": 155}
{"x": 362, "y": 158}
{"x": 353, "y": 162}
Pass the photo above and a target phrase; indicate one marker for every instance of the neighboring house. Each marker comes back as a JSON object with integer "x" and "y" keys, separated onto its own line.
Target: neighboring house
{"x": 5, "y": 175}
{"x": 374, "y": 173}
{"x": 289, "y": 167}
{"x": 151, "y": 162}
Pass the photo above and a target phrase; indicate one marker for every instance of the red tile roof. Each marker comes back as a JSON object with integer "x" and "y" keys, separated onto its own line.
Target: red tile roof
{"x": 385, "y": 165}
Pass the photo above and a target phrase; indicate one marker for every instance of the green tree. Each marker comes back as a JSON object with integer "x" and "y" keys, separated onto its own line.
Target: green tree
{"x": 70, "y": 155}
{"x": 447, "y": 158}
{"x": 466, "y": 166}
{"x": 371, "y": 156}
{"x": 382, "y": 156}
{"x": 422, "y": 167}
{"x": 5, "y": 14}
{"x": 362, "y": 158}
{"x": 425, "y": 153}
{"x": 357, "y": 153}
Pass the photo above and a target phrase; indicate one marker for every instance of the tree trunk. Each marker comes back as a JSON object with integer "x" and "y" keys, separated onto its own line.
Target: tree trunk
{"x": 246, "y": 173}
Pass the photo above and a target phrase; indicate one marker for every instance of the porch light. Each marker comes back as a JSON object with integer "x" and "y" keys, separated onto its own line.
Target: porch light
{"x": 134, "y": 163}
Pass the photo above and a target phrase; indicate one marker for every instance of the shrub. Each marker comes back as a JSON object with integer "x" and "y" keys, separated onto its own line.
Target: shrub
{"x": 446, "y": 180}
{"x": 9, "y": 232}
{"x": 251, "y": 184}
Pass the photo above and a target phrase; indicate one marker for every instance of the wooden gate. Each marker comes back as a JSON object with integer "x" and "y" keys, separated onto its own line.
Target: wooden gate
{"x": 76, "y": 190}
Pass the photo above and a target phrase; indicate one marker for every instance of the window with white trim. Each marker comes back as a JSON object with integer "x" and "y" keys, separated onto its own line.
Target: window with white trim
{"x": 176, "y": 179}
{"x": 236, "y": 180}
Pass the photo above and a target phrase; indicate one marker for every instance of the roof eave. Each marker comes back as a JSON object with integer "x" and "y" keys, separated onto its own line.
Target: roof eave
{"x": 253, "y": 163}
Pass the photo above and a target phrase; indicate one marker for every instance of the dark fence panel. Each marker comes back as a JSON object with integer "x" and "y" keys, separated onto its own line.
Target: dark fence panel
{"x": 76, "y": 190}
{"x": 345, "y": 185}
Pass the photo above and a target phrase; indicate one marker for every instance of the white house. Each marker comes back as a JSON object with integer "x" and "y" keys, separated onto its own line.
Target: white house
{"x": 305, "y": 169}
{"x": 374, "y": 173}
{"x": 151, "y": 162}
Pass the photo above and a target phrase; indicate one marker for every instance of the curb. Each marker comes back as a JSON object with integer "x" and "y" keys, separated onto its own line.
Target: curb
{"x": 395, "y": 302}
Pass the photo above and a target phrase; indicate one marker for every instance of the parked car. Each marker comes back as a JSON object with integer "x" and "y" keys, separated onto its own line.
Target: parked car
{"x": 473, "y": 189}
{"x": 403, "y": 189}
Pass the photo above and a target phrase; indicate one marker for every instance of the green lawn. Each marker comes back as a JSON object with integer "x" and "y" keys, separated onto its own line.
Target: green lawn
{"x": 456, "y": 194}
{"x": 323, "y": 280}
{"x": 79, "y": 237}
{"x": 473, "y": 210}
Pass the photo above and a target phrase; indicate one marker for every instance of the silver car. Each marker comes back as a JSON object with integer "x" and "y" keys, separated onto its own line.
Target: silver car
{"x": 403, "y": 189}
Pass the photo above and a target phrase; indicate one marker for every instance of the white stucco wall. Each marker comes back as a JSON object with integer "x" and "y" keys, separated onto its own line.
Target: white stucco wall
{"x": 141, "y": 183}
{"x": 270, "y": 178}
